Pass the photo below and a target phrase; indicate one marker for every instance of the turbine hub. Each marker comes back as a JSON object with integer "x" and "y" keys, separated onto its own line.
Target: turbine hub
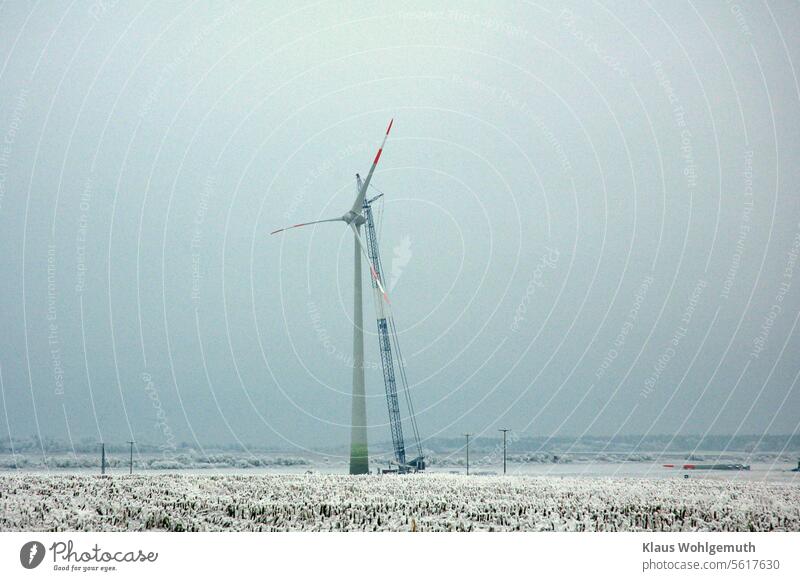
{"x": 353, "y": 218}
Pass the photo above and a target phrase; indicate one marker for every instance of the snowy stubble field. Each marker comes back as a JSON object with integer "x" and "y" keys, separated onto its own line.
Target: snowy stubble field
{"x": 430, "y": 502}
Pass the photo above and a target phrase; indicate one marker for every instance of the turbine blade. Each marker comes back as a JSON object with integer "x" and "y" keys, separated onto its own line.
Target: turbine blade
{"x": 305, "y": 224}
{"x": 372, "y": 270}
{"x": 356, "y": 209}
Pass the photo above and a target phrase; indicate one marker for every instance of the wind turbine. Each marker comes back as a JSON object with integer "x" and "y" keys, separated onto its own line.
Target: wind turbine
{"x": 354, "y": 218}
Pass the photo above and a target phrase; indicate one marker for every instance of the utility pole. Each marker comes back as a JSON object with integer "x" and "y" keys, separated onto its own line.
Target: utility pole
{"x": 102, "y": 458}
{"x": 131, "y": 442}
{"x": 504, "y": 430}
{"x": 467, "y": 436}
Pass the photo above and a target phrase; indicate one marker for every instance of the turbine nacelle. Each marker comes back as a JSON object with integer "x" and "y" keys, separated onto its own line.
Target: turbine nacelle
{"x": 354, "y": 218}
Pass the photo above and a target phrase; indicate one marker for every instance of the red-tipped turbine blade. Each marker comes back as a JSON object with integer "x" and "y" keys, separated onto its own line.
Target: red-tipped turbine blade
{"x": 372, "y": 270}
{"x": 363, "y": 192}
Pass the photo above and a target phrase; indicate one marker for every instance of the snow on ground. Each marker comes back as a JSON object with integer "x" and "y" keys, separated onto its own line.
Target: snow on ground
{"x": 430, "y": 502}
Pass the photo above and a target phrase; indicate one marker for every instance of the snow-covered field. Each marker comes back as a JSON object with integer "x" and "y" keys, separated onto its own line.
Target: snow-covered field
{"x": 430, "y": 502}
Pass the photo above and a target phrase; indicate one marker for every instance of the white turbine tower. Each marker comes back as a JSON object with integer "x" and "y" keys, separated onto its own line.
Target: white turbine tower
{"x": 359, "y": 454}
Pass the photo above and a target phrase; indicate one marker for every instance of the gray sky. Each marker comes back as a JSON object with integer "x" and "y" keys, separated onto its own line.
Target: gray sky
{"x": 590, "y": 225}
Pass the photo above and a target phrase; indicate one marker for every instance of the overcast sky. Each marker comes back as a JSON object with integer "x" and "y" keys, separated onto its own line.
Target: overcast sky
{"x": 591, "y": 221}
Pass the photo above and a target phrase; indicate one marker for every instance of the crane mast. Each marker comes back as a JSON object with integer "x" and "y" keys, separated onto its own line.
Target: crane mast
{"x": 388, "y": 347}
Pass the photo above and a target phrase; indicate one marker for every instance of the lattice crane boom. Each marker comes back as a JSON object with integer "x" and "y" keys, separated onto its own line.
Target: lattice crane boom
{"x": 389, "y": 349}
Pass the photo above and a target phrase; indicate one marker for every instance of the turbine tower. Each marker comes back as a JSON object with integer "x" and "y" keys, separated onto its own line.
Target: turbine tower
{"x": 354, "y": 218}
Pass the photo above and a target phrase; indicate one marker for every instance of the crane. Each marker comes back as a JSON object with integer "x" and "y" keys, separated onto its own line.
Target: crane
{"x": 389, "y": 349}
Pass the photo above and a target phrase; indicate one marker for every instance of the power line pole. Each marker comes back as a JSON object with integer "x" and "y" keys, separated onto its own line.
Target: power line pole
{"x": 467, "y": 435}
{"x": 504, "y": 430}
{"x": 131, "y": 442}
{"x": 102, "y": 458}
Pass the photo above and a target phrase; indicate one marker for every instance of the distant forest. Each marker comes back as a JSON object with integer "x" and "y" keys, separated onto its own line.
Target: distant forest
{"x": 650, "y": 443}
{"x": 585, "y": 444}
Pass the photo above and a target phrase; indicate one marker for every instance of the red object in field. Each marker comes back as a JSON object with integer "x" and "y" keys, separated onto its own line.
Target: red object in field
{"x": 669, "y": 465}
{"x": 688, "y": 466}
